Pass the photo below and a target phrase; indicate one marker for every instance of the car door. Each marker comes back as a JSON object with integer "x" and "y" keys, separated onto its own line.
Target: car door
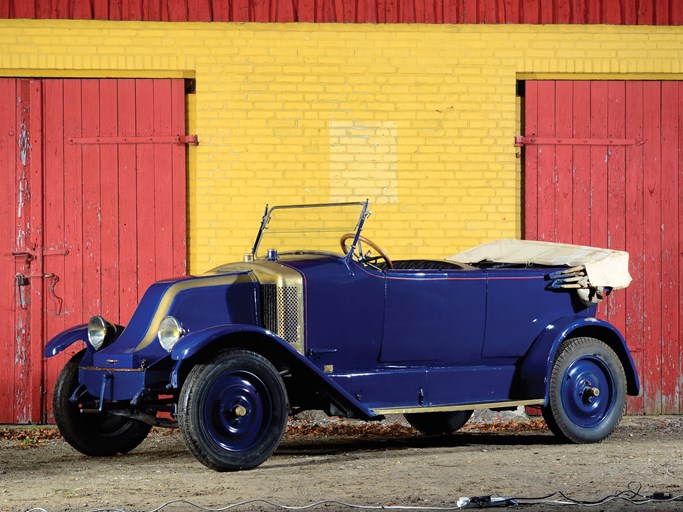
{"x": 434, "y": 317}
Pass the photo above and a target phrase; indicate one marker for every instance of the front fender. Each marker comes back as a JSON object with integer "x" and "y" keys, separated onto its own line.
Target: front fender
{"x": 538, "y": 363}
{"x": 78, "y": 333}
{"x": 65, "y": 339}
{"x": 272, "y": 347}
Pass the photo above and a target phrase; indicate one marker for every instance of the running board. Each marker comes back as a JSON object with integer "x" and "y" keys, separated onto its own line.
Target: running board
{"x": 464, "y": 407}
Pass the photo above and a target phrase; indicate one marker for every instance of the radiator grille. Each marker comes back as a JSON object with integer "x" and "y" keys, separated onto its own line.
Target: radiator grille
{"x": 280, "y": 310}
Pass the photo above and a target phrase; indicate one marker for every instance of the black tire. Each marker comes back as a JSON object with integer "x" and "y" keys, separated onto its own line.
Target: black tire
{"x": 233, "y": 410}
{"x": 587, "y": 391}
{"x": 434, "y": 423}
{"x": 97, "y": 435}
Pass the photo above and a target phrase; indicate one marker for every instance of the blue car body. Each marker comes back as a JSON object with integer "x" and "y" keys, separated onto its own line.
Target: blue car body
{"x": 354, "y": 336}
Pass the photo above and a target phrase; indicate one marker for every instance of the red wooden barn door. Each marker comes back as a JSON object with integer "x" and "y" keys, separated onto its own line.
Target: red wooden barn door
{"x": 603, "y": 166}
{"x": 99, "y": 216}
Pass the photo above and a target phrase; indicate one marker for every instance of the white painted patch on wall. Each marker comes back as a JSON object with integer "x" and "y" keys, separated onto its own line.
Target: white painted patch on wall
{"x": 364, "y": 161}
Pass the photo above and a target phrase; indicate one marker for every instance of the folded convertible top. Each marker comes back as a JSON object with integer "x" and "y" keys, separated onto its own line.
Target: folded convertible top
{"x": 604, "y": 267}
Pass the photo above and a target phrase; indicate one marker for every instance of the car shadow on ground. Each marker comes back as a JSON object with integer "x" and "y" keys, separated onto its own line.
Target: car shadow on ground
{"x": 376, "y": 447}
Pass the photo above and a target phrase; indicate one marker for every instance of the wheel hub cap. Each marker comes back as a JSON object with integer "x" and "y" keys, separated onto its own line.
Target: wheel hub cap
{"x": 237, "y": 410}
{"x": 587, "y": 391}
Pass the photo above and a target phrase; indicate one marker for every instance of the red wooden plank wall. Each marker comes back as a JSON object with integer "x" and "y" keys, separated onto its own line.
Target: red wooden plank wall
{"x": 616, "y": 12}
{"x": 624, "y": 196}
{"x": 111, "y": 220}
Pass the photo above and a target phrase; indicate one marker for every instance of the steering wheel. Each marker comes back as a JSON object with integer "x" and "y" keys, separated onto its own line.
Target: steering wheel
{"x": 366, "y": 258}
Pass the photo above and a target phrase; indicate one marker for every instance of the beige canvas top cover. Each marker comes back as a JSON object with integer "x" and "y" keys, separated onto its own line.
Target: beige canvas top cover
{"x": 604, "y": 267}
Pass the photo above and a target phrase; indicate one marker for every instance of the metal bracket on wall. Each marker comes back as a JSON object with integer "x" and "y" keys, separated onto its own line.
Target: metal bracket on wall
{"x": 521, "y": 141}
{"x": 190, "y": 140}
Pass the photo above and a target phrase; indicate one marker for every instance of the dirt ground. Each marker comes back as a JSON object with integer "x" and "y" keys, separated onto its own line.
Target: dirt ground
{"x": 384, "y": 465}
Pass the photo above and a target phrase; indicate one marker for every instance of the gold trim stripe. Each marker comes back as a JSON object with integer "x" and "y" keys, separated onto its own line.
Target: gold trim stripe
{"x": 465, "y": 407}
{"x": 188, "y": 284}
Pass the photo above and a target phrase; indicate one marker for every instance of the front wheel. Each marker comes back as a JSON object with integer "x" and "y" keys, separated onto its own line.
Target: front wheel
{"x": 95, "y": 434}
{"x": 233, "y": 410}
{"x": 587, "y": 391}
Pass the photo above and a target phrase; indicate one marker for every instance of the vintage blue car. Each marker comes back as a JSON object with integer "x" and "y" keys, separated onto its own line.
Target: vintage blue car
{"x": 318, "y": 317}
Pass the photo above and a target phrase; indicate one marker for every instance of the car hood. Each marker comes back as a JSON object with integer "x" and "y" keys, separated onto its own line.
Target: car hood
{"x": 196, "y": 302}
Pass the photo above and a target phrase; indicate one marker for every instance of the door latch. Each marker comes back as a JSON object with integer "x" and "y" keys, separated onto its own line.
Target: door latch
{"x": 21, "y": 282}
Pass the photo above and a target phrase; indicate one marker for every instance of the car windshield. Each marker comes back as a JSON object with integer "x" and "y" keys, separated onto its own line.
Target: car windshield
{"x": 308, "y": 228}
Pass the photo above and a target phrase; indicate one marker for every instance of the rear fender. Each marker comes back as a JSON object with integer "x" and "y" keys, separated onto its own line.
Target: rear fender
{"x": 537, "y": 366}
{"x": 190, "y": 349}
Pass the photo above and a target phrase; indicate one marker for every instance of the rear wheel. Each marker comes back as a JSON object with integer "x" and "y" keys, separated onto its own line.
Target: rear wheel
{"x": 432, "y": 423}
{"x": 97, "y": 434}
{"x": 587, "y": 391}
{"x": 233, "y": 410}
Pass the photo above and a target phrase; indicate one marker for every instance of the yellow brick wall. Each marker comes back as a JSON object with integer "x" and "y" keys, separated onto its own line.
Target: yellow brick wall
{"x": 420, "y": 119}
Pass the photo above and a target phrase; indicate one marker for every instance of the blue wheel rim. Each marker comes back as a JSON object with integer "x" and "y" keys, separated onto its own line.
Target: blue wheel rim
{"x": 587, "y": 391}
{"x": 237, "y": 411}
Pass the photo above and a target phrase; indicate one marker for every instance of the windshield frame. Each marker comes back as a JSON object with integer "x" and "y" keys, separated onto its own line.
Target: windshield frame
{"x": 269, "y": 212}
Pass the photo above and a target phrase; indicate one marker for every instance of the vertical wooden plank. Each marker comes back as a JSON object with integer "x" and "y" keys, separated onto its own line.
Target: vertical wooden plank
{"x": 74, "y": 311}
{"x": 635, "y": 293}
{"x": 646, "y": 13}
{"x": 676, "y": 15}
{"x": 24, "y": 10}
{"x": 547, "y": 12}
{"x": 563, "y": 11}
{"x": 92, "y": 213}
{"x": 115, "y": 11}
{"x": 630, "y": 13}
{"x": 563, "y": 186}
{"x": 581, "y": 165}
{"x": 37, "y": 285}
{"x": 9, "y": 130}
{"x": 348, "y": 11}
{"x": 80, "y": 11}
{"x": 53, "y": 228}
{"x": 284, "y": 12}
{"x": 594, "y": 13}
{"x": 146, "y": 229}
{"x": 391, "y": 11}
{"x": 613, "y": 309}
{"x": 367, "y": 11}
{"x": 22, "y": 183}
{"x": 101, "y": 9}
{"x": 680, "y": 240}
{"x": 128, "y": 192}
{"x": 653, "y": 251}
{"x": 240, "y": 10}
{"x": 531, "y": 11}
{"x": 662, "y": 12}
{"x": 612, "y": 12}
{"x": 411, "y": 11}
{"x": 220, "y": 11}
{"x": 531, "y": 161}
{"x": 671, "y": 305}
{"x": 179, "y": 177}
{"x": 163, "y": 180}
{"x": 512, "y": 12}
{"x": 305, "y": 11}
{"x": 546, "y": 160}
{"x": 599, "y": 156}
{"x": 469, "y": 11}
{"x": 109, "y": 201}
{"x": 261, "y": 10}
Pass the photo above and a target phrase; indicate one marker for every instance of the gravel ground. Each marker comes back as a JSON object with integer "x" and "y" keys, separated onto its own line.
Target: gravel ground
{"x": 385, "y": 465}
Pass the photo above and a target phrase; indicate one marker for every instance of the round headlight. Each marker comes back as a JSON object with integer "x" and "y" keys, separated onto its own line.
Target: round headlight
{"x": 170, "y": 332}
{"x": 98, "y": 328}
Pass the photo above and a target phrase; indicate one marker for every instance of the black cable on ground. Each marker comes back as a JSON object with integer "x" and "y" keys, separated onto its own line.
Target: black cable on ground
{"x": 633, "y": 494}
